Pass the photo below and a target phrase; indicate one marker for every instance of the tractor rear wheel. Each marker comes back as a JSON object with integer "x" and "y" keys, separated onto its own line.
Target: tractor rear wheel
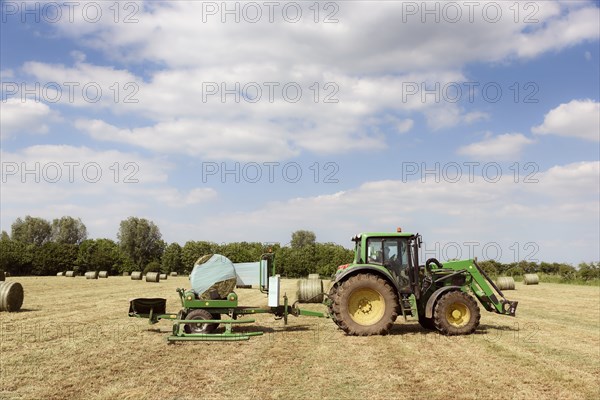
{"x": 201, "y": 327}
{"x": 456, "y": 313}
{"x": 332, "y": 295}
{"x": 365, "y": 305}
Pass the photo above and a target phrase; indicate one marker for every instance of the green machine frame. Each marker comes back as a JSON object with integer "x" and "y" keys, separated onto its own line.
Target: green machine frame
{"x": 154, "y": 309}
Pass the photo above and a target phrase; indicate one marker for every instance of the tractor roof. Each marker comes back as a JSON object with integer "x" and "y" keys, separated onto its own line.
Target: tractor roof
{"x": 382, "y": 234}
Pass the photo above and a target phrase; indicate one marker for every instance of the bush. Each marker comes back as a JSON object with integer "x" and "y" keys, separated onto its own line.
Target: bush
{"x": 153, "y": 266}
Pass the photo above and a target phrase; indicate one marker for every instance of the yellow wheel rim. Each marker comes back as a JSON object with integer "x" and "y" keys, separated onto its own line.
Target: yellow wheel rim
{"x": 458, "y": 315}
{"x": 366, "y": 306}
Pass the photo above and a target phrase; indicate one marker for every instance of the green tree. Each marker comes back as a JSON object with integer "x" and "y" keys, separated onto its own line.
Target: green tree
{"x": 329, "y": 256}
{"x": 171, "y": 259}
{"x": 15, "y": 257}
{"x": 51, "y": 257}
{"x": 32, "y": 230}
{"x": 302, "y": 238}
{"x": 99, "y": 255}
{"x": 590, "y": 271}
{"x": 153, "y": 266}
{"x": 140, "y": 240}
{"x": 68, "y": 230}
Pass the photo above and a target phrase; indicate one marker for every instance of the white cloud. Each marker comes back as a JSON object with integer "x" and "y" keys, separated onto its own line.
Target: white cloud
{"x": 502, "y": 147}
{"x": 26, "y": 117}
{"x": 405, "y": 125}
{"x": 101, "y": 187}
{"x": 368, "y": 54}
{"x": 563, "y": 201}
{"x": 578, "y": 118}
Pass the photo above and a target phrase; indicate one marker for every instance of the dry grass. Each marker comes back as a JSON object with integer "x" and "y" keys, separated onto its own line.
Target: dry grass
{"x": 73, "y": 340}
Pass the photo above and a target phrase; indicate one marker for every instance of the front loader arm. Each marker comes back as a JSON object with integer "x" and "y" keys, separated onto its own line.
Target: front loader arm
{"x": 483, "y": 287}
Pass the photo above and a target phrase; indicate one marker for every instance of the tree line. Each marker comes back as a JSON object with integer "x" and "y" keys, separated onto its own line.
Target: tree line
{"x": 36, "y": 246}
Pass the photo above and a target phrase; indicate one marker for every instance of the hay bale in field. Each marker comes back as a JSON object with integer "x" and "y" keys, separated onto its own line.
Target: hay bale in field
{"x": 314, "y": 276}
{"x": 60, "y": 274}
{"x": 153, "y": 277}
{"x": 11, "y": 296}
{"x": 310, "y": 291}
{"x": 173, "y": 273}
{"x": 103, "y": 274}
{"x": 136, "y": 276}
{"x": 70, "y": 274}
{"x": 243, "y": 286}
{"x": 163, "y": 277}
{"x": 91, "y": 275}
{"x": 125, "y": 273}
{"x": 505, "y": 283}
{"x": 531, "y": 279}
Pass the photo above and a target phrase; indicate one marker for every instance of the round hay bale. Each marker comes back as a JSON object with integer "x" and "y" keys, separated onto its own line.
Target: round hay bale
{"x": 125, "y": 273}
{"x": 163, "y": 277}
{"x": 531, "y": 279}
{"x": 70, "y": 274}
{"x": 310, "y": 291}
{"x": 91, "y": 275}
{"x": 2, "y": 276}
{"x": 136, "y": 276}
{"x": 11, "y": 296}
{"x": 505, "y": 283}
{"x": 243, "y": 286}
{"x": 153, "y": 277}
{"x": 173, "y": 273}
{"x": 103, "y": 274}
{"x": 313, "y": 276}
{"x": 60, "y": 274}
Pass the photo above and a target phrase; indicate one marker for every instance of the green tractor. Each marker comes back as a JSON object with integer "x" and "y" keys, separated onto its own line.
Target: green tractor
{"x": 385, "y": 280}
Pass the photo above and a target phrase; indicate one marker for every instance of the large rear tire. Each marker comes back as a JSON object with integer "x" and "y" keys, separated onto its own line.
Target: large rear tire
{"x": 201, "y": 327}
{"x": 456, "y": 313}
{"x": 365, "y": 305}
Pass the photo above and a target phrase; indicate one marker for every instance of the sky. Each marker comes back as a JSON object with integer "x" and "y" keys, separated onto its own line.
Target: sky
{"x": 475, "y": 124}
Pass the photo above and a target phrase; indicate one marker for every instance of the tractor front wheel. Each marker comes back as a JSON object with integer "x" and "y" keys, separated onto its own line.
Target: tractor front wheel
{"x": 365, "y": 305}
{"x": 201, "y": 327}
{"x": 456, "y": 313}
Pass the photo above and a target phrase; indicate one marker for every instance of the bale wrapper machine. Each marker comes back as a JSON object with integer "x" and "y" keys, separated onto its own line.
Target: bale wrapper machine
{"x": 201, "y": 313}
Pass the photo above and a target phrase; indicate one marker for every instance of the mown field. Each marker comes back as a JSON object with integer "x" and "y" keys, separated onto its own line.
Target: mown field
{"x": 73, "y": 340}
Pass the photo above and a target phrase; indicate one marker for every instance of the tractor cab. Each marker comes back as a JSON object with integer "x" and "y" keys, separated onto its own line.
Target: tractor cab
{"x": 395, "y": 252}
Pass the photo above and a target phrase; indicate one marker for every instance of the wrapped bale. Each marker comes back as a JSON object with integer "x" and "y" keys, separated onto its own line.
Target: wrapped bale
{"x": 70, "y": 274}
{"x": 11, "y": 296}
{"x": 103, "y": 274}
{"x": 60, "y": 274}
{"x": 153, "y": 277}
{"x": 213, "y": 277}
{"x": 531, "y": 279}
{"x": 173, "y": 273}
{"x": 505, "y": 283}
{"x": 125, "y": 273}
{"x": 136, "y": 276}
{"x": 313, "y": 276}
{"x": 163, "y": 277}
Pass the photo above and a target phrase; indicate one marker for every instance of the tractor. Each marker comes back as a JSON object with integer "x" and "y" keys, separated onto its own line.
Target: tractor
{"x": 385, "y": 281}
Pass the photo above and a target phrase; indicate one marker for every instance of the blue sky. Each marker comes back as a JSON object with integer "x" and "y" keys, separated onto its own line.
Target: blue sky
{"x": 171, "y": 125}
